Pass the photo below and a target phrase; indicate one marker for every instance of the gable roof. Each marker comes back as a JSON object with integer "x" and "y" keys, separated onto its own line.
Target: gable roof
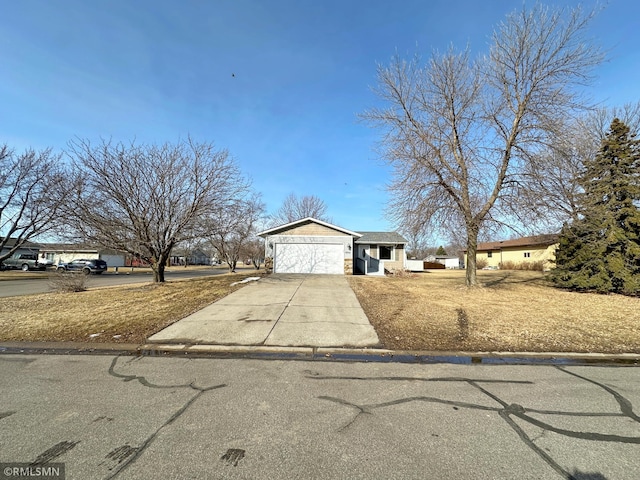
{"x": 381, "y": 237}
{"x": 532, "y": 241}
{"x": 302, "y": 221}
{"x": 26, "y": 244}
{"x": 78, "y": 248}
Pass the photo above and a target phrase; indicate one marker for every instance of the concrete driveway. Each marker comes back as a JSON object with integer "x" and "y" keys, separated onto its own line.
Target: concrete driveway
{"x": 279, "y": 310}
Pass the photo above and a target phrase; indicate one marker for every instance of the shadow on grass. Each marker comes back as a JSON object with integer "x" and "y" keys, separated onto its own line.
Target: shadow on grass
{"x": 511, "y": 278}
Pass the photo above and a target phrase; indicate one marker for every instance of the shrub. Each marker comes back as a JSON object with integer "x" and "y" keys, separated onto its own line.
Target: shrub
{"x": 400, "y": 272}
{"x": 537, "y": 266}
{"x": 68, "y": 282}
{"x": 508, "y": 265}
{"x": 481, "y": 263}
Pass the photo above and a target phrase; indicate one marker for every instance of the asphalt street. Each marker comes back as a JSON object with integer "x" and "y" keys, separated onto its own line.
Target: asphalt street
{"x": 150, "y": 417}
{"x": 40, "y": 284}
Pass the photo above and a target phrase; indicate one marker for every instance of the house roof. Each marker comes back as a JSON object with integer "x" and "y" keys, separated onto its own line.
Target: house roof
{"x": 381, "y": 237}
{"x": 535, "y": 240}
{"x": 77, "y": 248}
{"x": 12, "y": 241}
{"x": 302, "y": 221}
{"x": 63, "y": 247}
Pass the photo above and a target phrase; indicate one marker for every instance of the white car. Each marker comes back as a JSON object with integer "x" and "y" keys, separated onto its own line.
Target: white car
{"x": 47, "y": 262}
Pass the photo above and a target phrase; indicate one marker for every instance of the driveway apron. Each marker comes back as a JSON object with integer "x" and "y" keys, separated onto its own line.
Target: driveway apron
{"x": 279, "y": 310}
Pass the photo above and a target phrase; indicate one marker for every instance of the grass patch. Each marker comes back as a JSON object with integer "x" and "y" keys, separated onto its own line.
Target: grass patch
{"x": 123, "y": 314}
{"x": 511, "y": 311}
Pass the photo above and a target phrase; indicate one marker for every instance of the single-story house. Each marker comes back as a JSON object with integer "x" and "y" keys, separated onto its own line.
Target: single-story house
{"x": 314, "y": 246}
{"x": 380, "y": 251}
{"x": 55, "y": 253}
{"x": 26, "y": 247}
{"x": 537, "y": 248}
{"x": 195, "y": 256}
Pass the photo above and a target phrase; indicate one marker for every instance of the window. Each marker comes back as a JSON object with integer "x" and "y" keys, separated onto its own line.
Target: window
{"x": 489, "y": 254}
{"x": 527, "y": 254}
{"x": 386, "y": 252}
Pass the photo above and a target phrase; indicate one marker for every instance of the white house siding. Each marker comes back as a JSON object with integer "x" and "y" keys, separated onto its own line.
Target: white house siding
{"x": 298, "y": 253}
{"x": 314, "y": 257}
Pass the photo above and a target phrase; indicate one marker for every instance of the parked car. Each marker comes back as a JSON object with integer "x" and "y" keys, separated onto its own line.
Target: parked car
{"x": 83, "y": 265}
{"x": 47, "y": 262}
{"x": 23, "y": 261}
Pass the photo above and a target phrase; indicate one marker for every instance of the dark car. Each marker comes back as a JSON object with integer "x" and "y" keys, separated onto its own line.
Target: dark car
{"x": 23, "y": 261}
{"x": 83, "y": 265}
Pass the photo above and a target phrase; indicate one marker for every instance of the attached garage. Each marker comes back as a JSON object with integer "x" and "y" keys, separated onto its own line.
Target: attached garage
{"x": 308, "y": 258}
{"x": 310, "y": 246}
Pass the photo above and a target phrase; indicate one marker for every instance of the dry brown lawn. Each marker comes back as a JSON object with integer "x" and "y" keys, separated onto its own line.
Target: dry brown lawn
{"x": 511, "y": 311}
{"x": 127, "y": 314}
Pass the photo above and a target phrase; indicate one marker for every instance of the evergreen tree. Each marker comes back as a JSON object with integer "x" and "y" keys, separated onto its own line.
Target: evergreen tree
{"x": 601, "y": 250}
{"x": 441, "y": 251}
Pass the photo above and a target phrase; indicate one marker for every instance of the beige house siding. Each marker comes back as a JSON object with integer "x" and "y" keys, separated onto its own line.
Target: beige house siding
{"x": 398, "y": 262}
{"x": 393, "y": 265}
{"x": 519, "y": 255}
{"x": 312, "y": 229}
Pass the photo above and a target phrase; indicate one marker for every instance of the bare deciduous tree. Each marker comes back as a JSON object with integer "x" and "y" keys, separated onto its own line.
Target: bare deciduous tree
{"x": 295, "y": 208}
{"x": 232, "y": 228}
{"x": 254, "y": 251}
{"x": 553, "y": 185}
{"x": 32, "y": 190}
{"x": 459, "y": 133}
{"x": 145, "y": 199}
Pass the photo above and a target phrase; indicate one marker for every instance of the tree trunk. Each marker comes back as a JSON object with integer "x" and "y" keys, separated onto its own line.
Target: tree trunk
{"x": 472, "y": 248}
{"x": 158, "y": 272}
{"x": 158, "y": 267}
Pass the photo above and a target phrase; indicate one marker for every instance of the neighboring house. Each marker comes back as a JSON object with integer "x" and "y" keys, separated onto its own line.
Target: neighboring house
{"x": 192, "y": 257}
{"x": 62, "y": 253}
{"x": 313, "y": 246}
{"x": 538, "y": 248}
{"x": 26, "y": 247}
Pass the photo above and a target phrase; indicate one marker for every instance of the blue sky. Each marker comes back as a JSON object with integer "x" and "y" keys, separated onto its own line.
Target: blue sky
{"x": 279, "y": 83}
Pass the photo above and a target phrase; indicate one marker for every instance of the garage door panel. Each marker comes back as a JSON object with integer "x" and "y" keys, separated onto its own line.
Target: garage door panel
{"x": 309, "y": 258}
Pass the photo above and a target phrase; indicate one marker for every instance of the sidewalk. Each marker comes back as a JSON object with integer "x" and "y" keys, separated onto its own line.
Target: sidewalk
{"x": 280, "y": 310}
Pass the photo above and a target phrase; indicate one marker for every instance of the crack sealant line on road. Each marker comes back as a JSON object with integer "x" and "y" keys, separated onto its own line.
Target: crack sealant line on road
{"x": 344, "y": 354}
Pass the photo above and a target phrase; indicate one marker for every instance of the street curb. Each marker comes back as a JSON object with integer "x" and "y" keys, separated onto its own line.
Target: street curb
{"x": 320, "y": 354}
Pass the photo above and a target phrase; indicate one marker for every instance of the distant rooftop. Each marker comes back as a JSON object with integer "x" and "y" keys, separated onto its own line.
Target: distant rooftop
{"x": 535, "y": 240}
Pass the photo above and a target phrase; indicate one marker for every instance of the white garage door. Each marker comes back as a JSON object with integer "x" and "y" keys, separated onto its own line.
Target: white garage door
{"x": 309, "y": 258}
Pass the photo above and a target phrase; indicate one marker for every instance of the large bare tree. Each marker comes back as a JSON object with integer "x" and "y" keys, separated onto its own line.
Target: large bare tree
{"x": 32, "y": 191}
{"x": 146, "y": 199}
{"x": 459, "y": 132}
{"x": 295, "y": 208}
